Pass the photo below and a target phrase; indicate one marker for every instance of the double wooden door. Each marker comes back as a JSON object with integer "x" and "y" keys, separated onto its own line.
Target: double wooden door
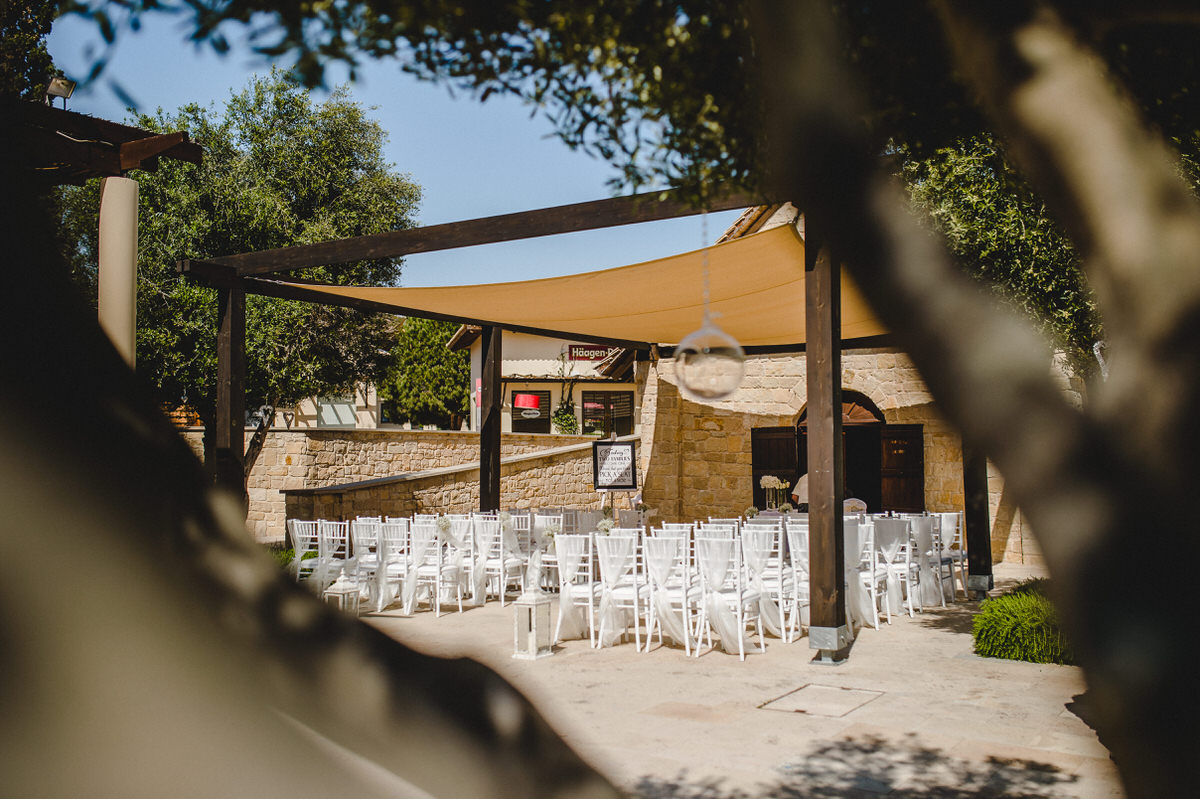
{"x": 884, "y": 463}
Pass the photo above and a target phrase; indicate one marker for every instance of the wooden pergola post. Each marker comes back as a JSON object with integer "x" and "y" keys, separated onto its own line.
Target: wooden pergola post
{"x": 489, "y": 419}
{"x": 977, "y": 532}
{"x": 231, "y": 390}
{"x": 828, "y": 632}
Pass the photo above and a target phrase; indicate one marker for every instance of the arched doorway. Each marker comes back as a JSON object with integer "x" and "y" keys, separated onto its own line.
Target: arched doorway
{"x": 884, "y": 463}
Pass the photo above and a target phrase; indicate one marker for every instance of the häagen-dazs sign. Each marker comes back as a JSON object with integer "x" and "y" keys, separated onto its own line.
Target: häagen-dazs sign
{"x": 614, "y": 465}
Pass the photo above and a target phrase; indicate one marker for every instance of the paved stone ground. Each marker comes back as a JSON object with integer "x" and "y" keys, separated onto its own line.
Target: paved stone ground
{"x": 912, "y": 713}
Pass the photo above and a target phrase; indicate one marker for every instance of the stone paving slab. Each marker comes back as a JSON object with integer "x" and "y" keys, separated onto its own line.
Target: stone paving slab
{"x": 943, "y": 721}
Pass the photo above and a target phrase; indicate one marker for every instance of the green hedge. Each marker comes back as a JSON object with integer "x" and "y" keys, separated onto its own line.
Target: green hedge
{"x": 1021, "y": 625}
{"x": 284, "y": 556}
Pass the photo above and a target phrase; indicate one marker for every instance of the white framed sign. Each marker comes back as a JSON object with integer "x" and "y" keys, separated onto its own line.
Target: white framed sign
{"x": 614, "y": 465}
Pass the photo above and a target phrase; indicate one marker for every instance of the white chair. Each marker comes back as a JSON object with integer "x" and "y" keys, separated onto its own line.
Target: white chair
{"x": 629, "y": 518}
{"x": 893, "y": 552}
{"x": 622, "y": 591}
{"x": 333, "y": 553}
{"x": 953, "y": 546}
{"x": 424, "y": 564}
{"x": 673, "y": 599}
{"x": 720, "y": 529}
{"x": 577, "y": 587}
{"x": 502, "y": 564}
{"x": 762, "y": 553}
{"x": 728, "y": 605}
{"x": 539, "y": 539}
{"x": 866, "y": 579}
{"x": 364, "y": 536}
{"x": 393, "y": 563}
{"x": 304, "y": 540}
{"x": 798, "y": 599}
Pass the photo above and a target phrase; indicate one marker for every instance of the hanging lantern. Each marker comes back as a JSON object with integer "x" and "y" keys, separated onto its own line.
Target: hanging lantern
{"x": 709, "y": 363}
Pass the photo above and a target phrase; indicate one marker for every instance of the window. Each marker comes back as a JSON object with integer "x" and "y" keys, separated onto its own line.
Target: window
{"x": 336, "y": 412}
{"x": 608, "y": 412}
{"x": 530, "y": 411}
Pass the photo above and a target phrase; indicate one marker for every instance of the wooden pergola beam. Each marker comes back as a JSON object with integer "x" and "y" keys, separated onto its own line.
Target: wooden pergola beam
{"x": 593, "y": 215}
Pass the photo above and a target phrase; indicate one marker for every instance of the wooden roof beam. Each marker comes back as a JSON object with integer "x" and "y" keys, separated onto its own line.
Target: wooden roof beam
{"x": 611, "y": 212}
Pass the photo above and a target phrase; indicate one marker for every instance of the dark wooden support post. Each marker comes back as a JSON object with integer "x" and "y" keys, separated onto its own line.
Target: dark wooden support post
{"x": 828, "y": 632}
{"x": 489, "y": 420}
{"x": 977, "y": 532}
{"x": 231, "y": 391}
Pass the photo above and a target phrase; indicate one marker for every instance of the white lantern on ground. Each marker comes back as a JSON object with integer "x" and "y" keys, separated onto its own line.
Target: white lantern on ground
{"x": 532, "y": 628}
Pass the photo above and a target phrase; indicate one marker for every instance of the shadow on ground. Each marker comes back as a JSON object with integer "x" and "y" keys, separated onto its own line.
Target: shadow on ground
{"x": 872, "y": 767}
{"x": 956, "y": 617}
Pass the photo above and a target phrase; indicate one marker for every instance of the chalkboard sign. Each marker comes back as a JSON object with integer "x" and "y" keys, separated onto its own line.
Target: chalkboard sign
{"x": 614, "y": 465}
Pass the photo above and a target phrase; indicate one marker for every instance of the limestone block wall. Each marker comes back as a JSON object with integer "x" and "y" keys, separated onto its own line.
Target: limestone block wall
{"x": 696, "y": 460}
{"x": 313, "y": 458}
{"x": 557, "y": 477}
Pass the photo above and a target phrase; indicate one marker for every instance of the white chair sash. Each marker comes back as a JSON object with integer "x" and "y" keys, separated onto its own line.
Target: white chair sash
{"x": 487, "y": 530}
{"x": 424, "y": 536}
{"x": 458, "y": 537}
{"x": 757, "y": 545}
{"x": 616, "y": 561}
{"x": 891, "y": 536}
{"x": 859, "y": 607}
{"x": 570, "y": 550}
{"x": 664, "y": 558}
{"x": 716, "y": 559}
{"x": 922, "y": 530}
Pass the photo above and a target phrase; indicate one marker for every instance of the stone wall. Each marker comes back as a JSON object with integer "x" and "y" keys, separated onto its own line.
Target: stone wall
{"x": 557, "y": 477}
{"x": 696, "y": 457}
{"x": 314, "y": 458}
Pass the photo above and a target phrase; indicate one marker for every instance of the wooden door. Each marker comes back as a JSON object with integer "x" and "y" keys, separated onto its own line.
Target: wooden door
{"x": 772, "y": 451}
{"x": 902, "y": 467}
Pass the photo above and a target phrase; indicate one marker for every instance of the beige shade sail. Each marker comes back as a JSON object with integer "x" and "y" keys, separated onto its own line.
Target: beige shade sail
{"x": 756, "y": 285}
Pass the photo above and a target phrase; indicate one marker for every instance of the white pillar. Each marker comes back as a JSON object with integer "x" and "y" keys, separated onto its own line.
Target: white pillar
{"x": 118, "y": 263}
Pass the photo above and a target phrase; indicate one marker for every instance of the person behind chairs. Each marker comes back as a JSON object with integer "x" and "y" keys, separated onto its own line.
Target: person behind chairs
{"x": 800, "y": 494}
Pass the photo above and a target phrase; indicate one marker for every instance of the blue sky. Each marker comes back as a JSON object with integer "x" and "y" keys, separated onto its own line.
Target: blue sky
{"x": 472, "y": 159}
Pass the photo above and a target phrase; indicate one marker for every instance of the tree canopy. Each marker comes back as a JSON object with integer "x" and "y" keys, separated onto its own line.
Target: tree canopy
{"x": 278, "y": 169}
{"x": 426, "y": 382}
{"x": 1002, "y": 232}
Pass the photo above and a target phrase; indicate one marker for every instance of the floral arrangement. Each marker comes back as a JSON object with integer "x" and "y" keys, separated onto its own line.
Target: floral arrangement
{"x": 641, "y": 507}
{"x": 505, "y": 517}
{"x": 552, "y": 529}
{"x": 607, "y": 511}
{"x": 605, "y": 526}
{"x": 771, "y": 481}
{"x": 750, "y": 512}
{"x": 443, "y": 524}
{"x": 786, "y": 508}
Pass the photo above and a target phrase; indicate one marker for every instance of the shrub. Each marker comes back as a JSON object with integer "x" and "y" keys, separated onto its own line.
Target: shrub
{"x": 283, "y": 555}
{"x": 1021, "y": 625}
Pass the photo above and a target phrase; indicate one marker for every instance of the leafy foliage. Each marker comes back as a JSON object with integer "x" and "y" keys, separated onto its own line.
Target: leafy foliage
{"x": 427, "y": 383}
{"x": 25, "y": 64}
{"x": 1021, "y": 625}
{"x": 1003, "y": 235}
{"x": 278, "y": 170}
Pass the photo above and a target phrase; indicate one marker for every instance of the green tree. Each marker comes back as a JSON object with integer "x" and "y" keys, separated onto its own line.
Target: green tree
{"x": 25, "y": 64}
{"x": 1003, "y": 235}
{"x": 426, "y": 382}
{"x": 278, "y": 169}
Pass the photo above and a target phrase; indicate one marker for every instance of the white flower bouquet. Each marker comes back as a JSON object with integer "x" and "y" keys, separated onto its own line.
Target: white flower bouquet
{"x": 605, "y": 526}
{"x": 750, "y": 512}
